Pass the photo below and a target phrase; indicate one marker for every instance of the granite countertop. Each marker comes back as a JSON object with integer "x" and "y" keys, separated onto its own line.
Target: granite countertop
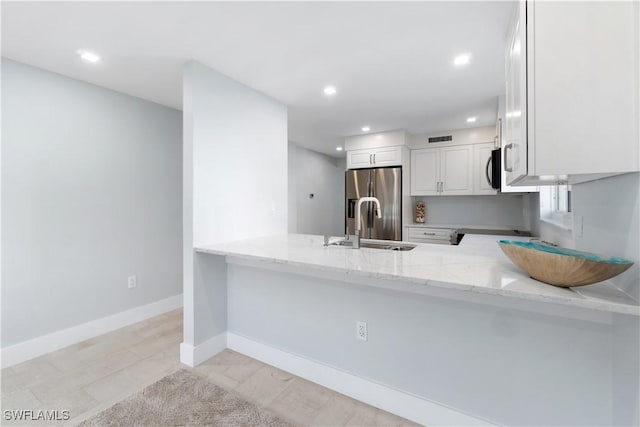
{"x": 476, "y": 265}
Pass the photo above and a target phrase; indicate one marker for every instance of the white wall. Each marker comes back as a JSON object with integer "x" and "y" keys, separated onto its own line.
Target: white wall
{"x": 477, "y": 135}
{"x": 611, "y": 212}
{"x": 322, "y": 176}
{"x": 235, "y": 179}
{"x": 501, "y": 209}
{"x": 91, "y": 194}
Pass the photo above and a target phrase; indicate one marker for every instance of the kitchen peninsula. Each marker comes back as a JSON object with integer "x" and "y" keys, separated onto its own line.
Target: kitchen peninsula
{"x": 455, "y": 334}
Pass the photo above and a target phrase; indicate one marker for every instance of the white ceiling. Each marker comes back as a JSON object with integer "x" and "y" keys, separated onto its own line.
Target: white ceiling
{"x": 392, "y": 62}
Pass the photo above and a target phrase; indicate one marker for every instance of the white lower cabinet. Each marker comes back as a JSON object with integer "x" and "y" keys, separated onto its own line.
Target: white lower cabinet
{"x": 430, "y": 235}
{"x": 442, "y": 171}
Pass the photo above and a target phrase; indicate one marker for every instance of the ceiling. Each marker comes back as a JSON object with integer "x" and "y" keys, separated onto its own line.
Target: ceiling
{"x": 391, "y": 62}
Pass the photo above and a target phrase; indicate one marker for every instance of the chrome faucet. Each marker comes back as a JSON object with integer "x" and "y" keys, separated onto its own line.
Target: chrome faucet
{"x": 361, "y": 200}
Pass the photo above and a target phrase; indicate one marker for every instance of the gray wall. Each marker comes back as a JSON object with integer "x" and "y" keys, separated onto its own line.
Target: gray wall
{"x": 610, "y": 209}
{"x": 508, "y": 366}
{"x": 235, "y": 182}
{"x": 611, "y": 213}
{"x": 91, "y": 193}
{"x": 322, "y": 176}
{"x": 501, "y": 209}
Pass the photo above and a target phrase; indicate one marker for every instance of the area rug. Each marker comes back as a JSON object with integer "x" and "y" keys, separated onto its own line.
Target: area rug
{"x": 185, "y": 399}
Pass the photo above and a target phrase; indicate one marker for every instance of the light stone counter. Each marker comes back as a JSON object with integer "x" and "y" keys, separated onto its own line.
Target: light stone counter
{"x": 477, "y": 265}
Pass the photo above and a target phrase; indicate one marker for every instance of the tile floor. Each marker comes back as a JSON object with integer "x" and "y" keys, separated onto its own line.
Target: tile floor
{"x": 90, "y": 376}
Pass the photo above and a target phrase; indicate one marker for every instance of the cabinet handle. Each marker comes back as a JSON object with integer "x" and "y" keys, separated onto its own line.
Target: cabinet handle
{"x": 429, "y": 234}
{"x": 506, "y": 149}
{"x": 374, "y": 159}
{"x": 370, "y": 159}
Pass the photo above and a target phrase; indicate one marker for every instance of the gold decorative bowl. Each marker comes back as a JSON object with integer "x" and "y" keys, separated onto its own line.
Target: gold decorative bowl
{"x": 560, "y": 266}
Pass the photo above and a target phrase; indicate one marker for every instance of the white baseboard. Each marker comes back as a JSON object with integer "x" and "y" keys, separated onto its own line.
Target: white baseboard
{"x": 44, "y": 344}
{"x": 381, "y": 396}
{"x": 193, "y": 356}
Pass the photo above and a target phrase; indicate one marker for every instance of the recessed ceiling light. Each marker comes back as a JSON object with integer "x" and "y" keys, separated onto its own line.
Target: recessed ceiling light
{"x": 462, "y": 59}
{"x": 338, "y": 148}
{"x": 330, "y": 90}
{"x": 366, "y": 128}
{"x": 471, "y": 119}
{"x": 88, "y": 56}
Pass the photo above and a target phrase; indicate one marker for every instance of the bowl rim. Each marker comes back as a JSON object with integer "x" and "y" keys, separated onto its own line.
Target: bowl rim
{"x": 557, "y": 250}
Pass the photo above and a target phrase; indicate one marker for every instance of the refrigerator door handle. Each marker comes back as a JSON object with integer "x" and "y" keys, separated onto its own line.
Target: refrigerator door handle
{"x": 351, "y": 208}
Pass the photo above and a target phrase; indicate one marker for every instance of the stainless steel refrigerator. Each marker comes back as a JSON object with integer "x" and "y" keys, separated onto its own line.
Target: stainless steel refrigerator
{"x": 384, "y": 184}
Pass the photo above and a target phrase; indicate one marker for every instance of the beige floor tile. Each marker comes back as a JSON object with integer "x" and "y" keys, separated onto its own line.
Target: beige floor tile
{"x": 228, "y": 357}
{"x": 384, "y": 418}
{"x": 363, "y": 416}
{"x": 76, "y": 402}
{"x": 229, "y": 368}
{"x": 168, "y": 327}
{"x": 84, "y": 374}
{"x": 28, "y": 373}
{"x": 264, "y": 385}
{"x": 77, "y": 356}
{"x": 133, "y": 378}
{"x": 337, "y": 411}
{"x": 152, "y": 345}
{"x": 301, "y": 401}
{"x": 20, "y": 399}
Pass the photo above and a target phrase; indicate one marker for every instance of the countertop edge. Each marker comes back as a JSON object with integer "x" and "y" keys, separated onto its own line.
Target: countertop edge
{"x": 610, "y": 307}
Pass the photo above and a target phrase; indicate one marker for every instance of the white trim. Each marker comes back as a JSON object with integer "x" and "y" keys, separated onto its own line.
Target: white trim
{"x": 44, "y": 344}
{"x": 195, "y": 355}
{"x": 403, "y": 404}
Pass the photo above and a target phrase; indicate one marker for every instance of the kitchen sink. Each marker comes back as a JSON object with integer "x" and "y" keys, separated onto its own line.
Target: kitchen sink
{"x": 389, "y": 245}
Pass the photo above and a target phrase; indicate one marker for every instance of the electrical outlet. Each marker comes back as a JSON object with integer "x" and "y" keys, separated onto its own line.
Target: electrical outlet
{"x": 361, "y": 331}
{"x": 132, "y": 282}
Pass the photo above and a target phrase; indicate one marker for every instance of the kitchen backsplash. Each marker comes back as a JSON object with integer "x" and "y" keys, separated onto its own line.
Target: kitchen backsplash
{"x": 475, "y": 210}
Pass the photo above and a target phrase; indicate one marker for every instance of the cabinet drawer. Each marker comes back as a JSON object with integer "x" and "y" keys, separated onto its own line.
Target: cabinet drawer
{"x": 427, "y": 235}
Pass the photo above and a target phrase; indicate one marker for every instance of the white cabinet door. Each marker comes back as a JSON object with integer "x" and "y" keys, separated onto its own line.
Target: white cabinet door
{"x": 481, "y": 161}
{"x": 359, "y": 159}
{"x": 425, "y": 172}
{"x": 389, "y": 156}
{"x": 456, "y": 170}
{"x": 515, "y": 148}
{"x": 374, "y": 157}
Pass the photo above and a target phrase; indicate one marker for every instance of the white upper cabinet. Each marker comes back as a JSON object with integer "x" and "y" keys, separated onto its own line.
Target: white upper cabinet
{"x": 572, "y": 91}
{"x": 374, "y": 157}
{"x": 515, "y": 131}
{"x": 456, "y": 170}
{"x": 425, "y": 172}
{"x": 442, "y": 171}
